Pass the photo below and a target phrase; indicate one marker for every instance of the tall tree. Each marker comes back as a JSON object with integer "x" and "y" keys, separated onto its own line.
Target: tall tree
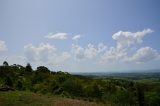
{"x": 28, "y": 68}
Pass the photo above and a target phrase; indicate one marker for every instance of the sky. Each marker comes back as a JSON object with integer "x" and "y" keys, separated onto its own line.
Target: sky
{"x": 81, "y": 35}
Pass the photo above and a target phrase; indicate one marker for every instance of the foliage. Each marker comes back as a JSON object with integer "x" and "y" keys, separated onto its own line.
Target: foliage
{"x": 25, "y": 98}
{"x": 117, "y": 91}
{"x": 28, "y": 68}
{"x": 5, "y": 63}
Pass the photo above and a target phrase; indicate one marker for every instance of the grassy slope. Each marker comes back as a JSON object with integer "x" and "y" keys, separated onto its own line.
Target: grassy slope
{"x": 19, "y": 98}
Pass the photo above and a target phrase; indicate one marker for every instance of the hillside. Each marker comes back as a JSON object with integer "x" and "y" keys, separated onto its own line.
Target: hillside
{"x": 21, "y": 98}
{"x": 104, "y": 90}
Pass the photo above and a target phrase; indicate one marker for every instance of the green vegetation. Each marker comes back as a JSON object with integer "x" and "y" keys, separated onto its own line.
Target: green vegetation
{"x": 21, "y": 98}
{"x": 121, "y": 91}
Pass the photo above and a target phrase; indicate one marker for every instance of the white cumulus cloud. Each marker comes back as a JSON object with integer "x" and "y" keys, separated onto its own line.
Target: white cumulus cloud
{"x": 88, "y": 52}
{"x": 39, "y": 53}
{"x": 45, "y": 53}
{"x": 91, "y": 51}
{"x": 3, "y": 46}
{"x": 126, "y": 39}
{"x": 112, "y": 55}
{"x": 101, "y": 47}
{"x": 144, "y": 54}
{"x": 56, "y": 36}
{"x": 78, "y": 51}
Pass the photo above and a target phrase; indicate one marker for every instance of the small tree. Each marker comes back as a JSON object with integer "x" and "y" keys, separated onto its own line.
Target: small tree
{"x": 5, "y": 63}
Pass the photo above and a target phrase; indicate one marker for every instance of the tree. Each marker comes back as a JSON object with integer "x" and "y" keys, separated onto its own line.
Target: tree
{"x": 73, "y": 87}
{"x": 96, "y": 91}
{"x": 8, "y": 81}
{"x": 19, "y": 85}
{"x": 28, "y": 68}
{"x": 140, "y": 94}
{"x": 5, "y": 63}
{"x": 42, "y": 69}
{"x": 125, "y": 97}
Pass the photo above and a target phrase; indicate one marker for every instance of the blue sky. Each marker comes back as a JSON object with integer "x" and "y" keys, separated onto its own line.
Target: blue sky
{"x": 109, "y": 35}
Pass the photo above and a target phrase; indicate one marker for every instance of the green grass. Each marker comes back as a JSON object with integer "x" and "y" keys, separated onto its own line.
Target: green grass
{"x": 21, "y": 98}
{"x": 18, "y": 98}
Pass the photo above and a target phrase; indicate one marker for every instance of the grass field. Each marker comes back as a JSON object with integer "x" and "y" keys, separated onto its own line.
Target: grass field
{"x": 21, "y": 98}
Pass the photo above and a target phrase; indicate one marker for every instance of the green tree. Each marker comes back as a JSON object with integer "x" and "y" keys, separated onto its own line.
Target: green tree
{"x": 92, "y": 90}
{"x": 97, "y": 91}
{"x": 140, "y": 94}
{"x": 125, "y": 97}
{"x": 19, "y": 85}
{"x": 28, "y": 68}
{"x": 73, "y": 87}
{"x": 43, "y": 69}
{"x": 5, "y": 63}
{"x": 8, "y": 81}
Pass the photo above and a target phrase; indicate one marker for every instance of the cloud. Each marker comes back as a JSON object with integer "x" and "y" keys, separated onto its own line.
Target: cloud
{"x": 76, "y": 37}
{"x": 126, "y": 39}
{"x": 45, "y": 53}
{"x": 85, "y": 53}
{"x": 3, "y": 46}
{"x": 39, "y": 53}
{"x": 144, "y": 54}
{"x": 56, "y": 36}
{"x": 101, "y": 47}
{"x": 91, "y": 51}
{"x": 112, "y": 55}
{"x": 121, "y": 52}
{"x": 59, "y": 59}
{"x": 125, "y": 54}
{"x": 78, "y": 51}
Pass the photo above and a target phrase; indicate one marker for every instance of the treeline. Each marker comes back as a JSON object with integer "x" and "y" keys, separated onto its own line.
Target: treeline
{"x": 42, "y": 80}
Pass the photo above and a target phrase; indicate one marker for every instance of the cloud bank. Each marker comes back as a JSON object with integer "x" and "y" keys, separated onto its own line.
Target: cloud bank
{"x": 45, "y": 53}
{"x": 126, "y": 41}
{"x": 94, "y": 55}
